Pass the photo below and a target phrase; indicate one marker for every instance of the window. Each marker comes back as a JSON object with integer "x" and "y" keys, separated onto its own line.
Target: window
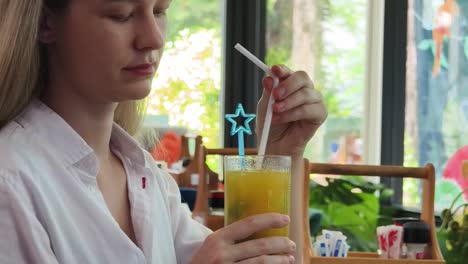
{"x": 328, "y": 40}
{"x": 187, "y": 85}
{"x": 436, "y": 118}
{"x": 334, "y": 42}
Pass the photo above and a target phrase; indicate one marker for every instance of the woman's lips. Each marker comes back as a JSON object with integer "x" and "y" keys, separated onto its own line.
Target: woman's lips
{"x": 141, "y": 70}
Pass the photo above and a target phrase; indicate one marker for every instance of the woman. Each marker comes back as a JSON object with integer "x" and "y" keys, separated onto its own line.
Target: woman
{"x": 74, "y": 186}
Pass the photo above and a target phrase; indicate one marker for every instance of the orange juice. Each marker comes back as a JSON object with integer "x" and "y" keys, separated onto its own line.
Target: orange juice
{"x": 251, "y": 192}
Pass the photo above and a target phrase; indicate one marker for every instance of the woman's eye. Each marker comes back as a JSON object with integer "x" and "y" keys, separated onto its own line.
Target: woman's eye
{"x": 122, "y": 18}
{"x": 159, "y": 13}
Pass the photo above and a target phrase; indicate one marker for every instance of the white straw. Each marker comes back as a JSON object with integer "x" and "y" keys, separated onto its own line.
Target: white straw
{"x": 252, "y": 57}
{"x": 271, "y": 100}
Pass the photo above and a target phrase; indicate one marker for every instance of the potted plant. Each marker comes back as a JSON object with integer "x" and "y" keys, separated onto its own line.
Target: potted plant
{"x": 452, "y": 235}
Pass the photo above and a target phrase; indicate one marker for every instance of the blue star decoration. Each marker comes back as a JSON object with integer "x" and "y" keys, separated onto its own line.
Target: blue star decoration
{"x": 242, "y": 128}
{"x": 236, "y": 128}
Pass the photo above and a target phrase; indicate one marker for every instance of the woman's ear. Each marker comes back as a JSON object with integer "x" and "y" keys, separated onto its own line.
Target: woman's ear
{"x": 47, "y": 28}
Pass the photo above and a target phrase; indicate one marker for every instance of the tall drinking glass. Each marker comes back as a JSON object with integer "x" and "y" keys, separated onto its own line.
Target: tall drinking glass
{"x": 256, "y": 185}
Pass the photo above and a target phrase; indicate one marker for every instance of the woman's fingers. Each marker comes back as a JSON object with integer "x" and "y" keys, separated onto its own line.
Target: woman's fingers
{"x": 246, "y": 227}
{"x": 281, "y": 71}
{"x": 302, "y": 96}
{"x": 222, "y": 243}
{"x": 292, "y": 84}
{"x": 263, "y": 246}
{"x": 268, "y": 84}
{"x": 313, "y": 113}
{"x": 277, "y": 259}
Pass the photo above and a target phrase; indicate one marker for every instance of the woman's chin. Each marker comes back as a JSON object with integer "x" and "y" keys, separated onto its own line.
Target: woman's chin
{"x": 137, "y": 92}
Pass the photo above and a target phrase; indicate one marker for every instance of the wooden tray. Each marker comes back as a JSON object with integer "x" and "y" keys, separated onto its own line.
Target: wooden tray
{"x": 426, "y": 174}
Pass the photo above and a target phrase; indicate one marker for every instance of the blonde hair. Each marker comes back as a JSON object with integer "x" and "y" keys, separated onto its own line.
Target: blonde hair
{"x": 19, "y": 55}
{"x": 129, "y": 115}
{"x": 23, "y": 69}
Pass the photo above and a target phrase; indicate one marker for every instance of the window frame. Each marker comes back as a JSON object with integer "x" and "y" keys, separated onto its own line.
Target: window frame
{"x": 372, "y": 123}
{"x": 394, "y": 92}
{"x": 244, "y": 23}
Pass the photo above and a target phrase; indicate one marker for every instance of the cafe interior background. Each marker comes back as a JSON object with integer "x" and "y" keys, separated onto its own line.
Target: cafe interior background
{"x": 396, "y": 90}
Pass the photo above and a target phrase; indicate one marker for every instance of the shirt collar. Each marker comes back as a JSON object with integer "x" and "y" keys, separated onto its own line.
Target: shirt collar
{"x": 55, "y": 133}
{"x": 127, "y": 146}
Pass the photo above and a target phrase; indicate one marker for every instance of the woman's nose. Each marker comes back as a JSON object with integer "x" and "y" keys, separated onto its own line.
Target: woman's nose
{"x": 150, "y": 34}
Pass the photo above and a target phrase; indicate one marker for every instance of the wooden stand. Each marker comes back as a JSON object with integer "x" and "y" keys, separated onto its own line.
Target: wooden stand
{"x": 426, "y": 174}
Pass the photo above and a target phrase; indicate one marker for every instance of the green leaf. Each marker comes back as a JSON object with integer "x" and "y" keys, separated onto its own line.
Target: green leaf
{"x": 425, "y": 44}
{"x": 443, "y": 58}
{"x": 387, "y": 193}
{"x": 445, "y": 192}
{"x": 443, "y": 61}
{"x": 453, "y": 246}
{"x": 466, "y": 47}
{"x": 355, "y": 214}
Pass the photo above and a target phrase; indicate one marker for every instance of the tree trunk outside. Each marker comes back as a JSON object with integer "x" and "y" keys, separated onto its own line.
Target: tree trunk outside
{"x": 411, "y": 108}
{"x": 306, "y": 28}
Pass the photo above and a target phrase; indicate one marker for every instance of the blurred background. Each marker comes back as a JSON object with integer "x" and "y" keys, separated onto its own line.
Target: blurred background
{"x": 394, "y": 75}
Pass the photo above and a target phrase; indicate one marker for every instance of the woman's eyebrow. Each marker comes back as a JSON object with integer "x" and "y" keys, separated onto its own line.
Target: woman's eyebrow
{"x": 135, "y": 1}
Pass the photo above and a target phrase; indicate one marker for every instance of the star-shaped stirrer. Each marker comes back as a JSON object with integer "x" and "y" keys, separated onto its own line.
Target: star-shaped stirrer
{"x": 240, "y": 129}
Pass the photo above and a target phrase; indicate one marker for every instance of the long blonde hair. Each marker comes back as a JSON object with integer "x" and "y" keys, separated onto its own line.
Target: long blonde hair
{"x": 23, "y": 70}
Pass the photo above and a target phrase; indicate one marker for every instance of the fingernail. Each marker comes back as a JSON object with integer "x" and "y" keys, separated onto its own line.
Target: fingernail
{"x": 292, "y": 259}
{"x": 293, "y": 246}
{"x": 286, "y": 218}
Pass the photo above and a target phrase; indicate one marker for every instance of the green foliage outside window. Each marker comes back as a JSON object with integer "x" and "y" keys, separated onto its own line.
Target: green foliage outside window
{"x": 187, "y": 85}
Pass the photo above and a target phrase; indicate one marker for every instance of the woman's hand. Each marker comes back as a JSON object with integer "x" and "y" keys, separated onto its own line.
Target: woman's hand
{"x": 222, "y": 247}
{"x": 298, "y": 111}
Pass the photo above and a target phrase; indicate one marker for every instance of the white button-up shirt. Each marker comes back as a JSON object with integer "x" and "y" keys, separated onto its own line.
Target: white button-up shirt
{"x": 52, "y": 211}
